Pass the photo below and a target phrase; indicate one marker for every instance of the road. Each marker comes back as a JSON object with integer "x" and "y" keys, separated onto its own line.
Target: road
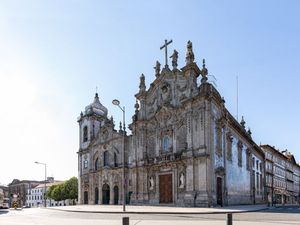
{"x": 36, "y": 216}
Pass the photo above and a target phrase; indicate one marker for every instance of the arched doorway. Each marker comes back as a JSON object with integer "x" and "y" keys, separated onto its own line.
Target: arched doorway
{"x": 85, "y": 197}
{"x": 116, "y": 195}
{"x": 96, "y": 195}
{"x": 105, "y": 194}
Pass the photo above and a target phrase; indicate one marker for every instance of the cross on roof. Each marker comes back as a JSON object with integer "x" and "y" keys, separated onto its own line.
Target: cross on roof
{"x": 166, "y": 51}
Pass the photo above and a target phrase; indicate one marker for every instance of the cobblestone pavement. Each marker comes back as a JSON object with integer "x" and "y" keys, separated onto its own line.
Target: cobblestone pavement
{"x": 288, "y": 215}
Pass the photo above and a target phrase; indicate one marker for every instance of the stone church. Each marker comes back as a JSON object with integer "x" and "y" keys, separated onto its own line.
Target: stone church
{"x": 185, "y": 148}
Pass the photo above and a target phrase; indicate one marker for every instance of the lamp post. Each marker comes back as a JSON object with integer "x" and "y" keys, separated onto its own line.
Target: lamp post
{"x": 117, "y": 103}
{"x": 45, "y": 165}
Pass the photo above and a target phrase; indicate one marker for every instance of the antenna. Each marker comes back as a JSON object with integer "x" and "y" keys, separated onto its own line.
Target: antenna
{"x": 237, "y": 98}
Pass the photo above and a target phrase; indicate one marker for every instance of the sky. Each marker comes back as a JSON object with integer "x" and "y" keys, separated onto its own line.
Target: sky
{"x": 53, "y": 55}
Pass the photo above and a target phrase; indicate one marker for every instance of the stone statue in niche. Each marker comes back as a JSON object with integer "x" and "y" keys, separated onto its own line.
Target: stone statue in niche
{"x": 166, "y": 93}
{"x": 151, "y": 183}
{"x": 181, "y": 180}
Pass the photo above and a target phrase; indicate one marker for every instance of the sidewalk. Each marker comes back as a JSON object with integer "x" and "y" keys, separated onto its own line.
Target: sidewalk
{"x": 133, "y": 209}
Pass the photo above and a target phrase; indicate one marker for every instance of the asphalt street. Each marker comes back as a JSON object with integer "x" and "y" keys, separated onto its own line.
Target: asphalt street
{"x": 289, "y": 215}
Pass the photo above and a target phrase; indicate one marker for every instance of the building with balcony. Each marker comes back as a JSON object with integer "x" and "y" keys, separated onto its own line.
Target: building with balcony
{"x": 282, "y": 176}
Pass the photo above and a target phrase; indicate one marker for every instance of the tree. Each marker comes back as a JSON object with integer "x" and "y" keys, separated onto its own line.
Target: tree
{"x": 64, "y": 191}
{"x": 49, "y": 193}
{"x": 58, "y": 192}
{"x": 71, "y": 188}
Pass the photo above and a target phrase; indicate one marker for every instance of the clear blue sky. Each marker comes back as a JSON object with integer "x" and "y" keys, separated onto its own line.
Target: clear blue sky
{"x": 54, "y": 53}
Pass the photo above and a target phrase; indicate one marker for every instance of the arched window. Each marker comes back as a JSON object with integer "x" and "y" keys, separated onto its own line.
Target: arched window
{"x": 85, "y": 134}
{"x": 115, "y": 160}
{"x": 96, "y": 164}
{"x": 85, "y": 164}
{"x": 165, "y": 144}
{"x": 105, "y": 158}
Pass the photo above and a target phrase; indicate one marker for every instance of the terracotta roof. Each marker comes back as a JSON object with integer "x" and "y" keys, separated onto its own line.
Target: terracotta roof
{"x": 49, "y": 184}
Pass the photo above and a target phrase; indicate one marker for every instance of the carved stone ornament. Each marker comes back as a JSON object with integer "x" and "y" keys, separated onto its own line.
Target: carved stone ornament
{"x": 181, "y": 88}
{"x": 204, "y": 72}
{"x": 166, "y": 93}
{"x": 86, "y": 179}
{"x": 220, "y": 170}
{"x": 105, "y": 135}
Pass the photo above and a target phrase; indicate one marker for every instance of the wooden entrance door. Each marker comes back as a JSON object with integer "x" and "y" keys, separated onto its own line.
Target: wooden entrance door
{"x": 165, "y": 188}
{"x": 219, "y": 191}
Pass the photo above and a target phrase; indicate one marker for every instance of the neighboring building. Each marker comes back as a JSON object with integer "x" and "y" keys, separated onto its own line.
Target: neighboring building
{"x": 186, "y": 149}
{"x": 20, "y": 188}
{"x": 5, "y": 190}
{"x": 282, "y": 176}
{"x": 35, "y": 196}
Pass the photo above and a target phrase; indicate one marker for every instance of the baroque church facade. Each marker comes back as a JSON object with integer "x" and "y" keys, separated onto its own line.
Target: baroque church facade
{"x": 185, "y": 148}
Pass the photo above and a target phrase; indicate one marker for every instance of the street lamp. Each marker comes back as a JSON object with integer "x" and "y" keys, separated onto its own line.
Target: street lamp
{"x": 45, "y": 165}
{"x": 117, "y": 103}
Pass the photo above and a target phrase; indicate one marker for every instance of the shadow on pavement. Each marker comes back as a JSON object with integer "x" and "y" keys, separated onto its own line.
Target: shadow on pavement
{"x": 283, "y": 209}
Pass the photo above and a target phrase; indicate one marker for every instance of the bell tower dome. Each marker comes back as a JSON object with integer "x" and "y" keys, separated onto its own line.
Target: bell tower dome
{"x": 90, "y": 121}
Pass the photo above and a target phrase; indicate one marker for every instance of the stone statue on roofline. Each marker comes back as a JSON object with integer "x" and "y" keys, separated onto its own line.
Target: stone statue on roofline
{"x": 174, "y": 59}
{"x": 142, "y": 83}
{"x": 189, "y": 54}
{"x": 157, "y": 68}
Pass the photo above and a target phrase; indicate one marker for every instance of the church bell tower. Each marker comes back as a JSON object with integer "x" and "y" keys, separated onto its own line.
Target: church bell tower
{"x": 90, "y": 121}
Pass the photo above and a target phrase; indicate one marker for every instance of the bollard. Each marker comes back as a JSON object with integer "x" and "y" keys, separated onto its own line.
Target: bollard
{"x": 125, "y": 220}
{"x": 229, "y": 219}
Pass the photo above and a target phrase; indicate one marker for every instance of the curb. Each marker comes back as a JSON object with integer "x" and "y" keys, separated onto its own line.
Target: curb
{"x": 159, "y": 213}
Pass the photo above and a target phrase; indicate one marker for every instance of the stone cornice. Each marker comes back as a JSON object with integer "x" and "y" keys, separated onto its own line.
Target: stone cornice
{"x": 191, "y": 66}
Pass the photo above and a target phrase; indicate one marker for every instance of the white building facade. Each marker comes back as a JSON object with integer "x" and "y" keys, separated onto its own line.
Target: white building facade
{"x": 35, "y": 196}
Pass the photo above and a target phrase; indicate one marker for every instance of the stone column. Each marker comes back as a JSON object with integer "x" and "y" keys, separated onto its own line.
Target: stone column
{"x": 111, "y": 194}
